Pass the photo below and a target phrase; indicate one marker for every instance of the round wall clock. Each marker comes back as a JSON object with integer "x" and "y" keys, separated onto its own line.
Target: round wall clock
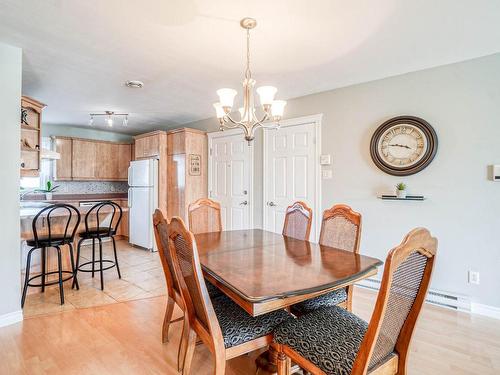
{"x": 403, "y": 145}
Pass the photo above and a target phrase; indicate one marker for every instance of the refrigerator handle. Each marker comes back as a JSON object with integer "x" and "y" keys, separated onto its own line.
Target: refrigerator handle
{"x": 129, "y": 198}
{"x": 128, "y": 176}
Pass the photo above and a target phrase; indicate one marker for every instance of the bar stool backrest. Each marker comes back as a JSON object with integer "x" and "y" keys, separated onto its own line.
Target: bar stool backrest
{"x": 69, "y": 220}
{"x": 103, "y": 211}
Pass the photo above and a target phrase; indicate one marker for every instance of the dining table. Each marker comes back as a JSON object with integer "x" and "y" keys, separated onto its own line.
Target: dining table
{"x": 264, "y": 271}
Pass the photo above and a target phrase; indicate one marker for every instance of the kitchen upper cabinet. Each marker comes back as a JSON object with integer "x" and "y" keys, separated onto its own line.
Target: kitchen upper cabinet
{"x": 147, "y": 145}
{"x": 64, "y": 168}
{"x": 124, "y": 157}
{"x": 92, "y": 160}
{"x": 84, "y": 161}
{"x": 108, "y": 162}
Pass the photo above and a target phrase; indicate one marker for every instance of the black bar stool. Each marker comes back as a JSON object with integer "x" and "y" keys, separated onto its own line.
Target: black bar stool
{"x": 113, "y": 212}
{"x": 70, "y": 219}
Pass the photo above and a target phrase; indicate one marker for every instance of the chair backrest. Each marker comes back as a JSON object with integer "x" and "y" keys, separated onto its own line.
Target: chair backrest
{"x": 298, "y": 220}
{"x": 160, "y": 225}
{"x": 68, "y": 219}
{"x": 407, "y": 273}
{"x": 194, "y": 292}
{"x": 341, "y": 228}
{"x": 107, "y": 216}
{"x": 204, "y": 216}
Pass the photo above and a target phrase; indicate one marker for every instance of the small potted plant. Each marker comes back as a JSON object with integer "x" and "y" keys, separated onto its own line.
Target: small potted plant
{"x": 49, "y": 189}
{"x": 401, "y": 190}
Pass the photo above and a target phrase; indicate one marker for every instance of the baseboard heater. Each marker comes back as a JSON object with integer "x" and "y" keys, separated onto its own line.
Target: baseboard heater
{"x": 439, "y": 298}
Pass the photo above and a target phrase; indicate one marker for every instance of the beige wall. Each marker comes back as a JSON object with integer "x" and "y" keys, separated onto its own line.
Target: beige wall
{"x": 10, "y": 109}
{"x": 462, "y": 102}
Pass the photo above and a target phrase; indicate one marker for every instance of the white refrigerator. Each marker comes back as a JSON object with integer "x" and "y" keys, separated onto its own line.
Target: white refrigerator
{"x": 142, "y": 201}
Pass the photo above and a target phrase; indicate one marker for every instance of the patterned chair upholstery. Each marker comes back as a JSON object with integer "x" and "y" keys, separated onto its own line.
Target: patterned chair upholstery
{"x": 329, "y": 338}
{"x": 238, "y": 326}
{"x": 326, "y": 300}
{"x": 337, "y": 342}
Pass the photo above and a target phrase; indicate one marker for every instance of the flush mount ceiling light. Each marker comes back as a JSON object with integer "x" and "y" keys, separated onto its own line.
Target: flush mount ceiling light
{"x": 110, "y": 116}
{"x": 134, "y": 84}
{"x": 273, "y": 109}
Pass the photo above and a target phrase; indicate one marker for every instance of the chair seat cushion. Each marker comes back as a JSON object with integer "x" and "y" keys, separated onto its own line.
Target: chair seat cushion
{"x": 239, "y": 327}
{"x": 43, "y": 241}
{"x": 329, "y": 338}
{"x": 213, "y": 291}
{"x": 96, "y": 232}
{"x": 326, "y": 300}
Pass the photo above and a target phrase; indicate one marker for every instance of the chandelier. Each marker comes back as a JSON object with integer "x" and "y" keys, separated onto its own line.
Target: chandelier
{"x": 249, "y": 122}
{"x": 110, "y": 116}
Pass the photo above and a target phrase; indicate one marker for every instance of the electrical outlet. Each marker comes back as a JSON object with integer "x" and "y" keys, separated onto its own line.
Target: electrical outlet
{"x": 474, "y": 277}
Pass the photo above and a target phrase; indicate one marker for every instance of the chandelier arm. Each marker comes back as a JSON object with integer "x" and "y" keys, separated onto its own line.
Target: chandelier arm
{"x": 230, "y": 123}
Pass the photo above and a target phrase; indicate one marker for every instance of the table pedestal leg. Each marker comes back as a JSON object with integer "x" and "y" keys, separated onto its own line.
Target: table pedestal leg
{"x": 267, "y": 363}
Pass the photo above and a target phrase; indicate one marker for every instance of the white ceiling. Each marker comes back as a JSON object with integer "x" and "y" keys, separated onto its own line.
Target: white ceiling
{"x": 77, "y": 54}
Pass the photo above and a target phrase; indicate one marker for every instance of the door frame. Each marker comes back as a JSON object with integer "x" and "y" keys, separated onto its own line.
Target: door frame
{"x": 303, "y": 120}
{"x": 229, "y": 133}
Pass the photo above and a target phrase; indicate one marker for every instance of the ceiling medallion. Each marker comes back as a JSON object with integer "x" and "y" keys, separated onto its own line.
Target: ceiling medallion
{"x": 110, "y": 116}
{"x": 249, "y": 122}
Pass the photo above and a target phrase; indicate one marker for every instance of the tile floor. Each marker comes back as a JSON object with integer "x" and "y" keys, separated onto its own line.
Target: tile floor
{"x": 142, "y": 277}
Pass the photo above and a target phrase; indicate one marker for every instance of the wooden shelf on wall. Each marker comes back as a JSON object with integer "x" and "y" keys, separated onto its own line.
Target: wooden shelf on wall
{"x": 30, "y": 136}
{"x": 29, "y": 128}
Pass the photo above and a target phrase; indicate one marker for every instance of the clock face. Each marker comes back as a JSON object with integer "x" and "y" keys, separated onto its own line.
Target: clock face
{"x": 403, "y": 145}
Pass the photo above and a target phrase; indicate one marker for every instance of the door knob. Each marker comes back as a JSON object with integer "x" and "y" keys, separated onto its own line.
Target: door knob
{"x": 244, "y": 203}
{"x": 272, "y": 204}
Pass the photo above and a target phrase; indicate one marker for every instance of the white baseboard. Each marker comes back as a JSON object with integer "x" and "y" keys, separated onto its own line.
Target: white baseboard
{"x": 11, "y": 318}
{"x": 486, "y": 310}
{"x": 439, "y": 298}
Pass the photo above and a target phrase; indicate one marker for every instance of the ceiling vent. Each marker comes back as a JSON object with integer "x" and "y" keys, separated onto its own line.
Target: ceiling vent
{"x": 134, "y": 84}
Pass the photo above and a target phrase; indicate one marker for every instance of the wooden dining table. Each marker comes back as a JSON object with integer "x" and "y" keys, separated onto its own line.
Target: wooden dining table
{"x": 263, "y": 271}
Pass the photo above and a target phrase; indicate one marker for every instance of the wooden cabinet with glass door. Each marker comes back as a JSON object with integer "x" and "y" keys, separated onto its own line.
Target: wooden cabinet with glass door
{"x": 31, "y": 125}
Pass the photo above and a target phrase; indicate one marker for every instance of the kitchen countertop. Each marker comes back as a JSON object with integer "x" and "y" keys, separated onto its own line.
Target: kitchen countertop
{"x": 36, "y": 202}
{"x": 65, "y": 197}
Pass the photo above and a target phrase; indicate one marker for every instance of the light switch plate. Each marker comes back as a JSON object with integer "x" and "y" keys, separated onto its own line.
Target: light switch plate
{"x": 327, "y": 174}
{"x": 325, "y": 159}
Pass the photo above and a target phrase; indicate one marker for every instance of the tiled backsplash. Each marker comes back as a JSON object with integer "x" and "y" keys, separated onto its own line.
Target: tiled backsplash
{"x": 82, "y": 187}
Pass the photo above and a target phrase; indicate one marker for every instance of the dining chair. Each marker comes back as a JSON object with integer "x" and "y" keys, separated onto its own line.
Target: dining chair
{"x": 340, "y": 228}
{"x": 61, "y": 222}
{"x": 333, "y": 340}
{"x": 298, "y": 220}
{"x": 204, "y": 216}
{"x": 173, "y": 290}
{"x": 224, "y": 327}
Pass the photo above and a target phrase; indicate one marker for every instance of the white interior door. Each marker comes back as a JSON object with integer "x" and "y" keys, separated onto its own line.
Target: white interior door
{"x": 230, "y": 178}
{"x": 289, "y": 173}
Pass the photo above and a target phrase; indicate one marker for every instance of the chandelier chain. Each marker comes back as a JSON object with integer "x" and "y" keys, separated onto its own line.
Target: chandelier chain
{"x": 248, "y": 73}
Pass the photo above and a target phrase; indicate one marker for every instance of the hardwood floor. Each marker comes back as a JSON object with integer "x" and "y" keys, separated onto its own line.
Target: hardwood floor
{"x": 125, "y": 338}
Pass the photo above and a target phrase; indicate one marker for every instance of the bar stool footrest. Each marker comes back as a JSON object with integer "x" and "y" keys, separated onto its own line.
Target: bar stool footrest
{"x": 54, "y": 282}
{"x": 96, "y": 262}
